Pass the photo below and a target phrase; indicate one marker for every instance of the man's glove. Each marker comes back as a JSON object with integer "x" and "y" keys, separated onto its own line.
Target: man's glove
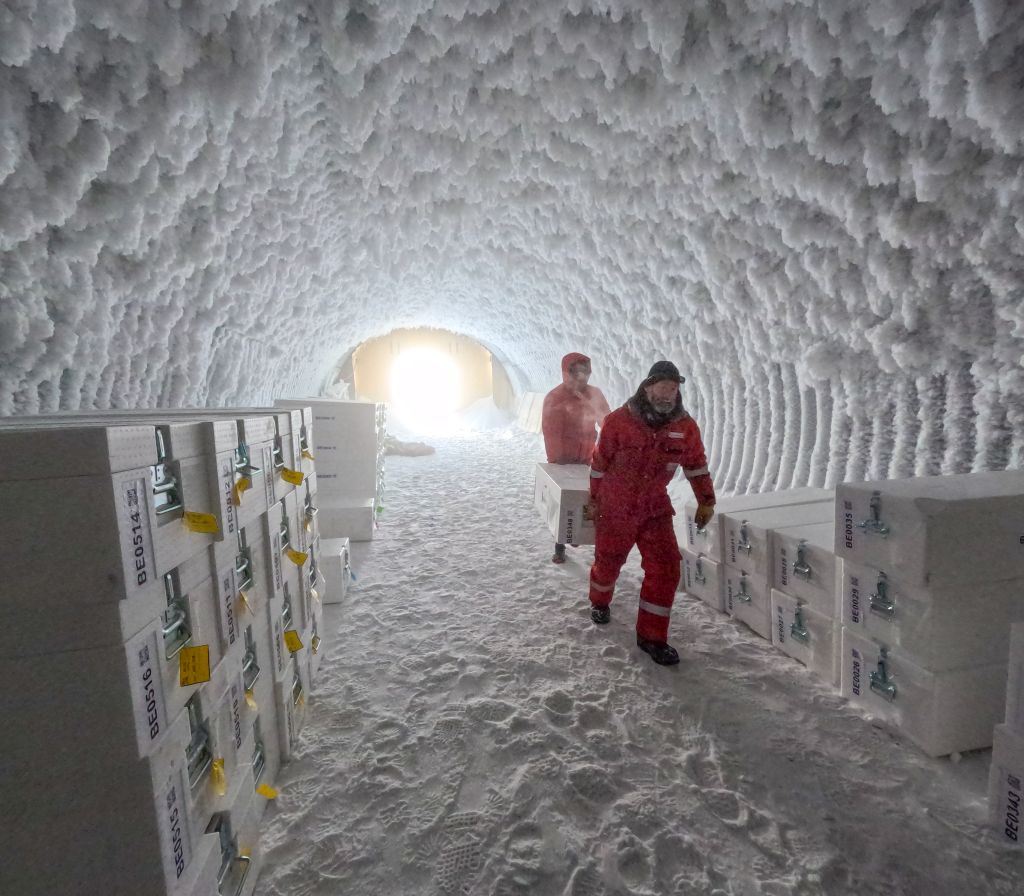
{"x": 703, "y": 515}
{"x": 591, "y": 510}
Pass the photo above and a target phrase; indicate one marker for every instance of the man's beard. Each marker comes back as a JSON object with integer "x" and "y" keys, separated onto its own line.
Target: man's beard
{"x": 663, "y": 405}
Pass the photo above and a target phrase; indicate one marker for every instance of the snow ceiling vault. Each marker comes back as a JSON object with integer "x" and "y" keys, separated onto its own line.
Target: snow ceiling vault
{"x": 814, "y": 208}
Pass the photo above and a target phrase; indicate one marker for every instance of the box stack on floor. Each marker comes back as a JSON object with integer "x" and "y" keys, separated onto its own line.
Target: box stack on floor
{"x": 1006, "y": 773}
{"x": 162, "y": 630}
{"x": 933, "y": 576}
{"x": 349, "y": 449}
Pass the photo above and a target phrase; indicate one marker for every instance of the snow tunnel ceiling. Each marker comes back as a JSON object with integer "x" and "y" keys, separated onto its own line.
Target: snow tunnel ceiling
{"x": 814, "y": 208}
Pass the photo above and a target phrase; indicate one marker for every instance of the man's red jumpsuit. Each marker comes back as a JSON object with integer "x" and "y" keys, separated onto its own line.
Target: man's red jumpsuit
{"x": 632, "y": 466}
{"x": 570, "y": 418}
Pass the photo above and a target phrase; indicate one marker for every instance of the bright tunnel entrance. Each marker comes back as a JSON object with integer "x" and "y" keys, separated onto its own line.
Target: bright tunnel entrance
{"x": 435, "y": 382}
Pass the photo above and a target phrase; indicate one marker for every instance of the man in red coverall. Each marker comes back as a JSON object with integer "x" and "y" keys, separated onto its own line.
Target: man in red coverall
{"x": 642, "y": 445}
{"x": 572, "y": 412}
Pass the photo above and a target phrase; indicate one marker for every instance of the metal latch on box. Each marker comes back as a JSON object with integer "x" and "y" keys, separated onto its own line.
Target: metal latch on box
{"x": 744, "y": 542}
{"x": 243, "y": 464}
{"x": 801, "y": 567}
{"x": 296, "y": 683}
{"x": 742, "y": 594}
{"x": 307, "y": 505}
{"x": 286, "y": 536}
{"x": 250, "y": 664}
{"x": 286, "y": 609}
{"x": 233, "y": 865}
{"x": 259, "y": 754}
{"x": 881, "y": 681}
{"x": 874, "y": 525}
{"x": 797, "y": 629}
{"x": 243, "y": 562}
{"x": 166, "y": 494}
{"x": 198, "y": 756}
{"x": 177, "y": 630}
{"x": 881, "y": 602}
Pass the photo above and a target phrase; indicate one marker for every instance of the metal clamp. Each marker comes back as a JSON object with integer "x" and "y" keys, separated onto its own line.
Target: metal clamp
{"x": 743, "y": 594}
{"x": 278, "y": 454}
{"x": 176, "y": 630}
{"x": 801, "y": 567}
{"x": 165, "y": 485}
{"x": 797, "y": 629}
{"x": 286, "y": 536}
{"x": 296, "y": 688}
{"x": 698, "y": 572}
{"x": 744, "y": 542}
{"x": 874, "y": 525}
{"x": 881, "y": 602}
{"x": 198, "y": 756}
{"x": 250, "y": 670}
{"x": 259, "y": 753}
{"x": 881, "y": 682}
{"x": 243, "y": 464}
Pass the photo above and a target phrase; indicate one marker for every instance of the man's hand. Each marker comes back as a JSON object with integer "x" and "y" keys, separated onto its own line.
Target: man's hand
{"x": 703, "y": 515}
{"x": 590, "y": 509}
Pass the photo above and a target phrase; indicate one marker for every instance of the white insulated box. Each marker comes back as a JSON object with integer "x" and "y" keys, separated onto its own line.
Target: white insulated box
{"x": 1006, "y": 785}
{"x": 939, "y": 627}
{"x": 962, "y": 528}
{"x": 701, "y": 577}
{"x": 355, "y": 520}
{"x": 804, "y": 564}
{"x": 561, "y": 495}
{"x": 709, "y": 541}
{"x": 745, "y": 533}
{"x": 748, "y": 599}
{"x": 941, "y": 712}
{"x": 806, "y": 635}
{"x": 337, "y": 568}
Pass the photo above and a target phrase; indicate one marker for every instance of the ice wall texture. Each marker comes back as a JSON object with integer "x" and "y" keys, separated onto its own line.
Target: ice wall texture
{"x": 815, "y": 208}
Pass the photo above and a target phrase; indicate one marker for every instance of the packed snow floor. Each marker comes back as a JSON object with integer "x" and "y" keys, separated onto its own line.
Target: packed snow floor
{"x": 472, "y": 732}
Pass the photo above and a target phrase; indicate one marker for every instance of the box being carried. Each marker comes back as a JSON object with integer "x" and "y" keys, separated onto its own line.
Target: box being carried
{"x": 561, "y": 494}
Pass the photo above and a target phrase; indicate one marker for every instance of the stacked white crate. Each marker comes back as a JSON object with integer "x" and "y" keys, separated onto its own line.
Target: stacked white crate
{"x": 108, "y": 755}
{"x": 806, "y": 577}
{"x": 703, "y": 555}
{"x": 348, "y": 444}
{"x": 933, "y": 576}
{"x": 1006, "y": 773}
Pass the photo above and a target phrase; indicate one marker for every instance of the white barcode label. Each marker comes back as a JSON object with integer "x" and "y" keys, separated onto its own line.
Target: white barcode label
{"x": 143, "y": 658}
{"x": 269, "y": 476}
{"x": 136, "y": 538}
{"x": 175, "y": 845}
{"x": 226, "y": 603}
{"x": 226, "y": 471}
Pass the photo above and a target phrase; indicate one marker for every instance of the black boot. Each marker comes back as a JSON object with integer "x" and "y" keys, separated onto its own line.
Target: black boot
{"x": 662, "y": 653}
{"x": 559, "y": 554}
{"x": 601, "y": 615}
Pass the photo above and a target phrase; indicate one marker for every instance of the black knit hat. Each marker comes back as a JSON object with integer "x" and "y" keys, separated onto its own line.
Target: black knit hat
{"x": 663, "y": 370}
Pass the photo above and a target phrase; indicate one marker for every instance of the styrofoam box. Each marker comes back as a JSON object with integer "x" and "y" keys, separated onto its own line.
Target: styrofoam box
{"x": 962, "y": 528}
{"x": 804, "y": 564}
{"x": 1006, "y": 785}
{"x": 701, "y": 577}
{"x": 561, "y": 494}
{"x": 354, "y": 520}
{"x": 306, "y": 434}
{"x": 748, "y": 599}
{"x": 1014, "y": 717}
{"x": 337, "y": 569}
{"x": 252, "y": 503}
{"x": 812, "y": 642}
{"x": 941, "y": 712}
{"x": 146, "y": 820}
{"x": 95, "y": 535}
{"x": 940, "y": 627}
{"x": 709, "y": 540}
{"x": 745, "y": 533}
{"x": 273, "y": 549}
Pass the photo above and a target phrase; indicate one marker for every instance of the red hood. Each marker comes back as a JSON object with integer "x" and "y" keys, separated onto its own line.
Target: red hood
{"x": 568, "y": 361}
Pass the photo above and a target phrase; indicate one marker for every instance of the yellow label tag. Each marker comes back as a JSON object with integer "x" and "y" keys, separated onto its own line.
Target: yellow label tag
{"x": 315, "y": 593}
{"x": 302, "y": 699}
{"x": 218, "y": 777}
{"x": 266, "y": 790}
{"x": 315, "y": 643}
{"x": 309, "y": 524}
{"x": 245, "y": 853}
{"x": 306, "y": 453}
{"x": 201, "y": 522}
{"x": 193, "y": 665}
{"x": 297, "y": 557}
{"x": 250, "y": 698}
{"x": 293, "y": 477}
{"x": 292, "y": 640}
{"x": 239, "y": 488}
{"x": 243, "y": 599}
